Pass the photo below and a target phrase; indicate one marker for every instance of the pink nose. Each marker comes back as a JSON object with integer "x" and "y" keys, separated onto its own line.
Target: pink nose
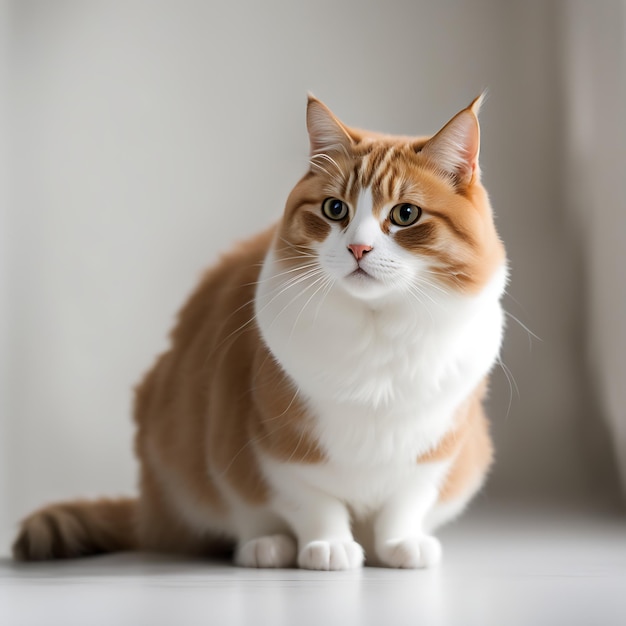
{"x": 358, "y": 250}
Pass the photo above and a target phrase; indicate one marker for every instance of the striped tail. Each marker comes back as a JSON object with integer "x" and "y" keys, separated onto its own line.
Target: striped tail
{"x": 75, "y": 529}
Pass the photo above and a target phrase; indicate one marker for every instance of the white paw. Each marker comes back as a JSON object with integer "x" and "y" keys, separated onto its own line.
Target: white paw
{"x": 331, "y": 555}
{"x": 271, "y": 551}
{"x": 411, "y": 553}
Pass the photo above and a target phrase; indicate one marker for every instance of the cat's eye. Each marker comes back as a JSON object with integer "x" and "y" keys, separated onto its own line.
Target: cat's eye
{"x": 405, "y": 214}
{"x": 334, "y": 209}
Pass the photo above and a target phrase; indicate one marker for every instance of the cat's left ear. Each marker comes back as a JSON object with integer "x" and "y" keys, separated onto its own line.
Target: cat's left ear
{"x": 454, "y": 149}
{"x": 326, "y": 132}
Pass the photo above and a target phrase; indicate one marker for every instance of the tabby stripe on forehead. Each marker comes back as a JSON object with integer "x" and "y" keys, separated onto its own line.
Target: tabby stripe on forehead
{"x": 386, "y": 184}
{"x": 404, "y": 188}
{"x": 384, "y": 163}
{"x": 354, "y": 178}
{"x": 370, "y": 167}
{"x": 401, "y": 187}
{"x": 347, "y": 184}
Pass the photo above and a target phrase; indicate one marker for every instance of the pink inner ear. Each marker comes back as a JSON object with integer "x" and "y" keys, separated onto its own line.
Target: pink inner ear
{"x": 325, "y": 131}
{"x": 472, "y": 137}
{"x": 455, "y": 147}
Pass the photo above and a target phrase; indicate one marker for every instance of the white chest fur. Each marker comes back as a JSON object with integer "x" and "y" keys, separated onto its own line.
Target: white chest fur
{"x": 383, "y": 382}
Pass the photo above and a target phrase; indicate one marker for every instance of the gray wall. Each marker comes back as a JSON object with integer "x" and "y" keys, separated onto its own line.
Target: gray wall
{"x": 146, "y": 136}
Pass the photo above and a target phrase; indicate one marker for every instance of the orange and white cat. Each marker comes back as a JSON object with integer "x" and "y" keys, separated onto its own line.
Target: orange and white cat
{"x": 321, "y": 401}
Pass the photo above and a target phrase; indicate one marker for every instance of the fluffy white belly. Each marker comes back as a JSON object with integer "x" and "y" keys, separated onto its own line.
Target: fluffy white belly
{"x": 363, "y": 489}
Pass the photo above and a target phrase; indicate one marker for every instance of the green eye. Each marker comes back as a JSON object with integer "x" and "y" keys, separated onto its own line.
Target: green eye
{"x": 405, "y": 214}
{"x": 334, "y": 209}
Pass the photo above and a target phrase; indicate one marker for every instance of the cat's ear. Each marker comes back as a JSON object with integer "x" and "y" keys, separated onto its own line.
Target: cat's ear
{"x": 326, "y": 132}
{"x": 454, "y": 149}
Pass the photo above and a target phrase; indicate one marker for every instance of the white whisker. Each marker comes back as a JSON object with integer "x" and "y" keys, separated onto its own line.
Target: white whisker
{"x": 254, "y": 440}
{"x": 275, "y": 276}
{"x": 283, "y": 287}
{"x": 323, "y": 279}
{"x": 424, "y": 293}
{"x": 310, "y": 274}
{"x": 511, "y": 380}
{"x": 430, "y": 284}
{"x": 417, "y": 293}
{"x": 329, "y": 285}
{"x": 530, "y": 332}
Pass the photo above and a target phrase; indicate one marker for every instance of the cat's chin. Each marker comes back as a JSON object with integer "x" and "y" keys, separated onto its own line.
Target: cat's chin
{"x": 364, "y": 286}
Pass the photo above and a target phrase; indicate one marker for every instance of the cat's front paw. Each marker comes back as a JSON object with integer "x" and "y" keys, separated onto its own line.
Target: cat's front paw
{"x": 331, "y": 555}
{"x": 270, "y": 551}
{"x": 410, "y": 553}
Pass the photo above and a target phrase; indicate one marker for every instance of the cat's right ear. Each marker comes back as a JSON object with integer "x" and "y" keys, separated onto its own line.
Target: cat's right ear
{"x": 326, "y": 132}
{"x": 454, "y": 149}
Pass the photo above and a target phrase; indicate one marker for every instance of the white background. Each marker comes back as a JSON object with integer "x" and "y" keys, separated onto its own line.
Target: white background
{"x": 145, "y": 137}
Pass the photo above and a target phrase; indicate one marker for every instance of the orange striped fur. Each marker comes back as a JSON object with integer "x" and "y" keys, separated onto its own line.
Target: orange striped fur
{"x": 224, "y": 421}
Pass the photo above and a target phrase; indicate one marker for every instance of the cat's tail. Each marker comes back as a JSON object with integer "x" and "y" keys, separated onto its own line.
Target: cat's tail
{"x": 74, "y": 529}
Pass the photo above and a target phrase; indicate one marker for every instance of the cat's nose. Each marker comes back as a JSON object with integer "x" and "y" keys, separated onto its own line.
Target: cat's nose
{"x": 358, "y": 250}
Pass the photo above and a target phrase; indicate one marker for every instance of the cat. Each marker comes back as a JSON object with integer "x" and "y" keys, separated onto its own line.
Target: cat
{"x": 322, "y": 399}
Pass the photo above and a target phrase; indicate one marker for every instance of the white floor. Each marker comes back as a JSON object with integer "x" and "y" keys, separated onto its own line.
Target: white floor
{"x": 503, "y": 565}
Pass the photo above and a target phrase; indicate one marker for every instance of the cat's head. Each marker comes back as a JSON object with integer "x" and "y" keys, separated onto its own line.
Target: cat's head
{"x": 382, "y": 215}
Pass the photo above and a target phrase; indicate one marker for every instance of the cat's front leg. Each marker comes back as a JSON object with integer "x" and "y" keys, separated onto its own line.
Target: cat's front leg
{"x": 321, "y": 524}
{"x": 398, "y": 528}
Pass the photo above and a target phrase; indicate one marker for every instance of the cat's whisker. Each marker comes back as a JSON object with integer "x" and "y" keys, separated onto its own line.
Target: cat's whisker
{"x": 293, "y": 452}
{"x": 283, "y": 287}
{"x": 296, "y": 257}
{"x": 308, "y": 273}
{"x": 337, "y": 178}
{"x": 329, "y": 285}
{"x": 255, "y": 440}
{"x": 327, "y": 157}
{"x": 508, "y": 295}
{"x": 279, "y": 274}
{"x": 433, "y": 285}
{"x": 291, "y": 244}
{"x": 305, "y": 270}
{"x": 425, "y": 293}
{"x": 512, "y": 383}
{"x": 323, "y": 169}
{"x": 417, "y": 293}
{"x": 292, "y": 282}
{"x": 323, "y": 279}
{"x": 438, "y": 273}
{"x": 309, "y": 448}
{"x": 531, "y": 334}
{"x": 300, "y": 248}
{"x": 506, "y": 368}
{"x": 425, "y": 285}
{"x": 321, "y": 155}
{"x": 425, "y": 302}
{"x": 276, "y": 417}
{"x": 298, "y": 295}
{"x": 441, "y": 273}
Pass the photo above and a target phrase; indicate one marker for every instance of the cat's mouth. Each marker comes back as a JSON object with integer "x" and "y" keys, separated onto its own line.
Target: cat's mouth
{"x": 361, "y": 284}
{"x": 360, "y": 274}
